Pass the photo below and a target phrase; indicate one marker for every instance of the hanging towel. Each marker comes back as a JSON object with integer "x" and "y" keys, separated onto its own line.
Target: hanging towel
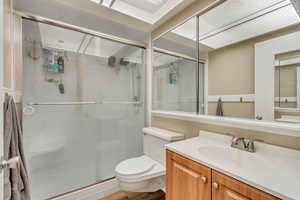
{"x": 16, "y": 186}
{"x": 220, "y": 111}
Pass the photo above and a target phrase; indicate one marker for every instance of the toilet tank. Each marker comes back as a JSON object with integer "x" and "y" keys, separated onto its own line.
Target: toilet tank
{"x": 155, "y": 140}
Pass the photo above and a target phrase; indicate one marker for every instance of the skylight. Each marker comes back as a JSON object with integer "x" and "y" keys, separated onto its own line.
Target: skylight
{"x": 247, "y": 19}
{"x": 149, "y": 11}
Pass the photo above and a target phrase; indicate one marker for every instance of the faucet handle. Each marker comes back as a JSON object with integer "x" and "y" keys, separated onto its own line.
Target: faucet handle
{"x": 235, "y": 139}
{"x": 250, "y": 144}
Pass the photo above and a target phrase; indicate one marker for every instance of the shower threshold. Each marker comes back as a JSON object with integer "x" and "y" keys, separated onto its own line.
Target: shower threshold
{"x": 94, "y": 191}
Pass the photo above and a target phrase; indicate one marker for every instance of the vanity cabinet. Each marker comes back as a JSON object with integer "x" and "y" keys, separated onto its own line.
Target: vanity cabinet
{"x": 189, "y": 180}
{"x": 227, "y": 188}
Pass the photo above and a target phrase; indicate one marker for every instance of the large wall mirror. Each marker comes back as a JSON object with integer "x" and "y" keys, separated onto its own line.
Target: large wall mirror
{"x": 242, "y": 64}
{"x": 287, "y": 87}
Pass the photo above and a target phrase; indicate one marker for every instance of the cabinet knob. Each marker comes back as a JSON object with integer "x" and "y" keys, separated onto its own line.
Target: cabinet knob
{"x": 204, "y": 179}
{"x": 215, "y": 185}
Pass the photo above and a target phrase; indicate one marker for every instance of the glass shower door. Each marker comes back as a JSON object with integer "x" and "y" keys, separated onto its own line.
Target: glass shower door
{"x": 83, "y": 107}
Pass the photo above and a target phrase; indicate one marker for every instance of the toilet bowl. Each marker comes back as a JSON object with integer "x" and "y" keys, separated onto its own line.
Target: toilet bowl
{"x": 146, "y": 173}
{"x": 141, "y": 174}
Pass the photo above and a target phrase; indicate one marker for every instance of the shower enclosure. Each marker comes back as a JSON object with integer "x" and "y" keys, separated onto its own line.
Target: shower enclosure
{"x": 83, "y": 108}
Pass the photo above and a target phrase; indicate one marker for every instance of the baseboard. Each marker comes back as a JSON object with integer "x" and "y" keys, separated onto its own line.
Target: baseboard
{"x": 94, "y": 192}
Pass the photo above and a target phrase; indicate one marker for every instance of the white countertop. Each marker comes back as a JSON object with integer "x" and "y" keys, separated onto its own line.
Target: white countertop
{"x": 273, "y": 169}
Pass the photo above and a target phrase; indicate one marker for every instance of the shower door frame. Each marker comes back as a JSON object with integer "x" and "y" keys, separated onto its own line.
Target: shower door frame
{"x": 45, "y": 20}
{"x": 61, "y": 24}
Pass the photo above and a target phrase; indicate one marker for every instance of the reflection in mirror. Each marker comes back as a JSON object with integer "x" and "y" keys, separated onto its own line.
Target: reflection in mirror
{"x": 239, "y": 49}
{"x": 174, "y": 83}
{"x": 176, "y": 75}
{"x": 287, "y": 87}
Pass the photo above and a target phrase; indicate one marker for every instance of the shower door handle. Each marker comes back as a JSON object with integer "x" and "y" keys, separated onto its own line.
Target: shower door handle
{"x": 9, "y": 164}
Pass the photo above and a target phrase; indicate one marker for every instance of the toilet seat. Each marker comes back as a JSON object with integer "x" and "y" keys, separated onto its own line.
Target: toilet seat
{"x": 139, "y": 169}
{"x": 135, "y": 166}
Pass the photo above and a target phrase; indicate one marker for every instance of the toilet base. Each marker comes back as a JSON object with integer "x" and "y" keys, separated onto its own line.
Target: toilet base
{"x": 151, "y": 185}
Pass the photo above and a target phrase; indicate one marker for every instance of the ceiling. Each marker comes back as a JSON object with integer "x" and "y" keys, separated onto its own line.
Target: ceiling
{"x": 218, "y": 27}
{"x": 246, "y": 19}
{"x": 149, "y": 11}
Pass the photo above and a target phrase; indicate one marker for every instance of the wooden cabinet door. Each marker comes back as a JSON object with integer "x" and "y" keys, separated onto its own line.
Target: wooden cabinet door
{"x": 227, "y": 188}
{"x": 186, "y": 179}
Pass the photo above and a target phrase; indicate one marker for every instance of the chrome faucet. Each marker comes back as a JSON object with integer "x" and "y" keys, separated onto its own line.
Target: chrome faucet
{"x": 243, "y": 144}
{"x": 235, "y": 142}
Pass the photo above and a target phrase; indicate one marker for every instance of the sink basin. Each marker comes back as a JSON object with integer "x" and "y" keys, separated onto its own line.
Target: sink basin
{"x": 223, "y": 153}
{"x": 226, "y": 156}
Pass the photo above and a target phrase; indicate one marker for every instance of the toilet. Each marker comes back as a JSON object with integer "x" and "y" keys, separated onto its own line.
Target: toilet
{"x": 146, "y": 173}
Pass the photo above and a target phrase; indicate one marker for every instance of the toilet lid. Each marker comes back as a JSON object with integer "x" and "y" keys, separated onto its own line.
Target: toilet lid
{"x": 135, "y": 166}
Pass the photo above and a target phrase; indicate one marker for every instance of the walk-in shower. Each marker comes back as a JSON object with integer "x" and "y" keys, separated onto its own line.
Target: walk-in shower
{"x": 83, "y": 113}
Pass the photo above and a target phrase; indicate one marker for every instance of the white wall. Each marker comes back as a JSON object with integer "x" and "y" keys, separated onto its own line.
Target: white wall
{"x": 264, "y": 71}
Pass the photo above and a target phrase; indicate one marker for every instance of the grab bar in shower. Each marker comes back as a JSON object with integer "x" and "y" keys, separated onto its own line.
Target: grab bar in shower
{"x": 61, "y": 103}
